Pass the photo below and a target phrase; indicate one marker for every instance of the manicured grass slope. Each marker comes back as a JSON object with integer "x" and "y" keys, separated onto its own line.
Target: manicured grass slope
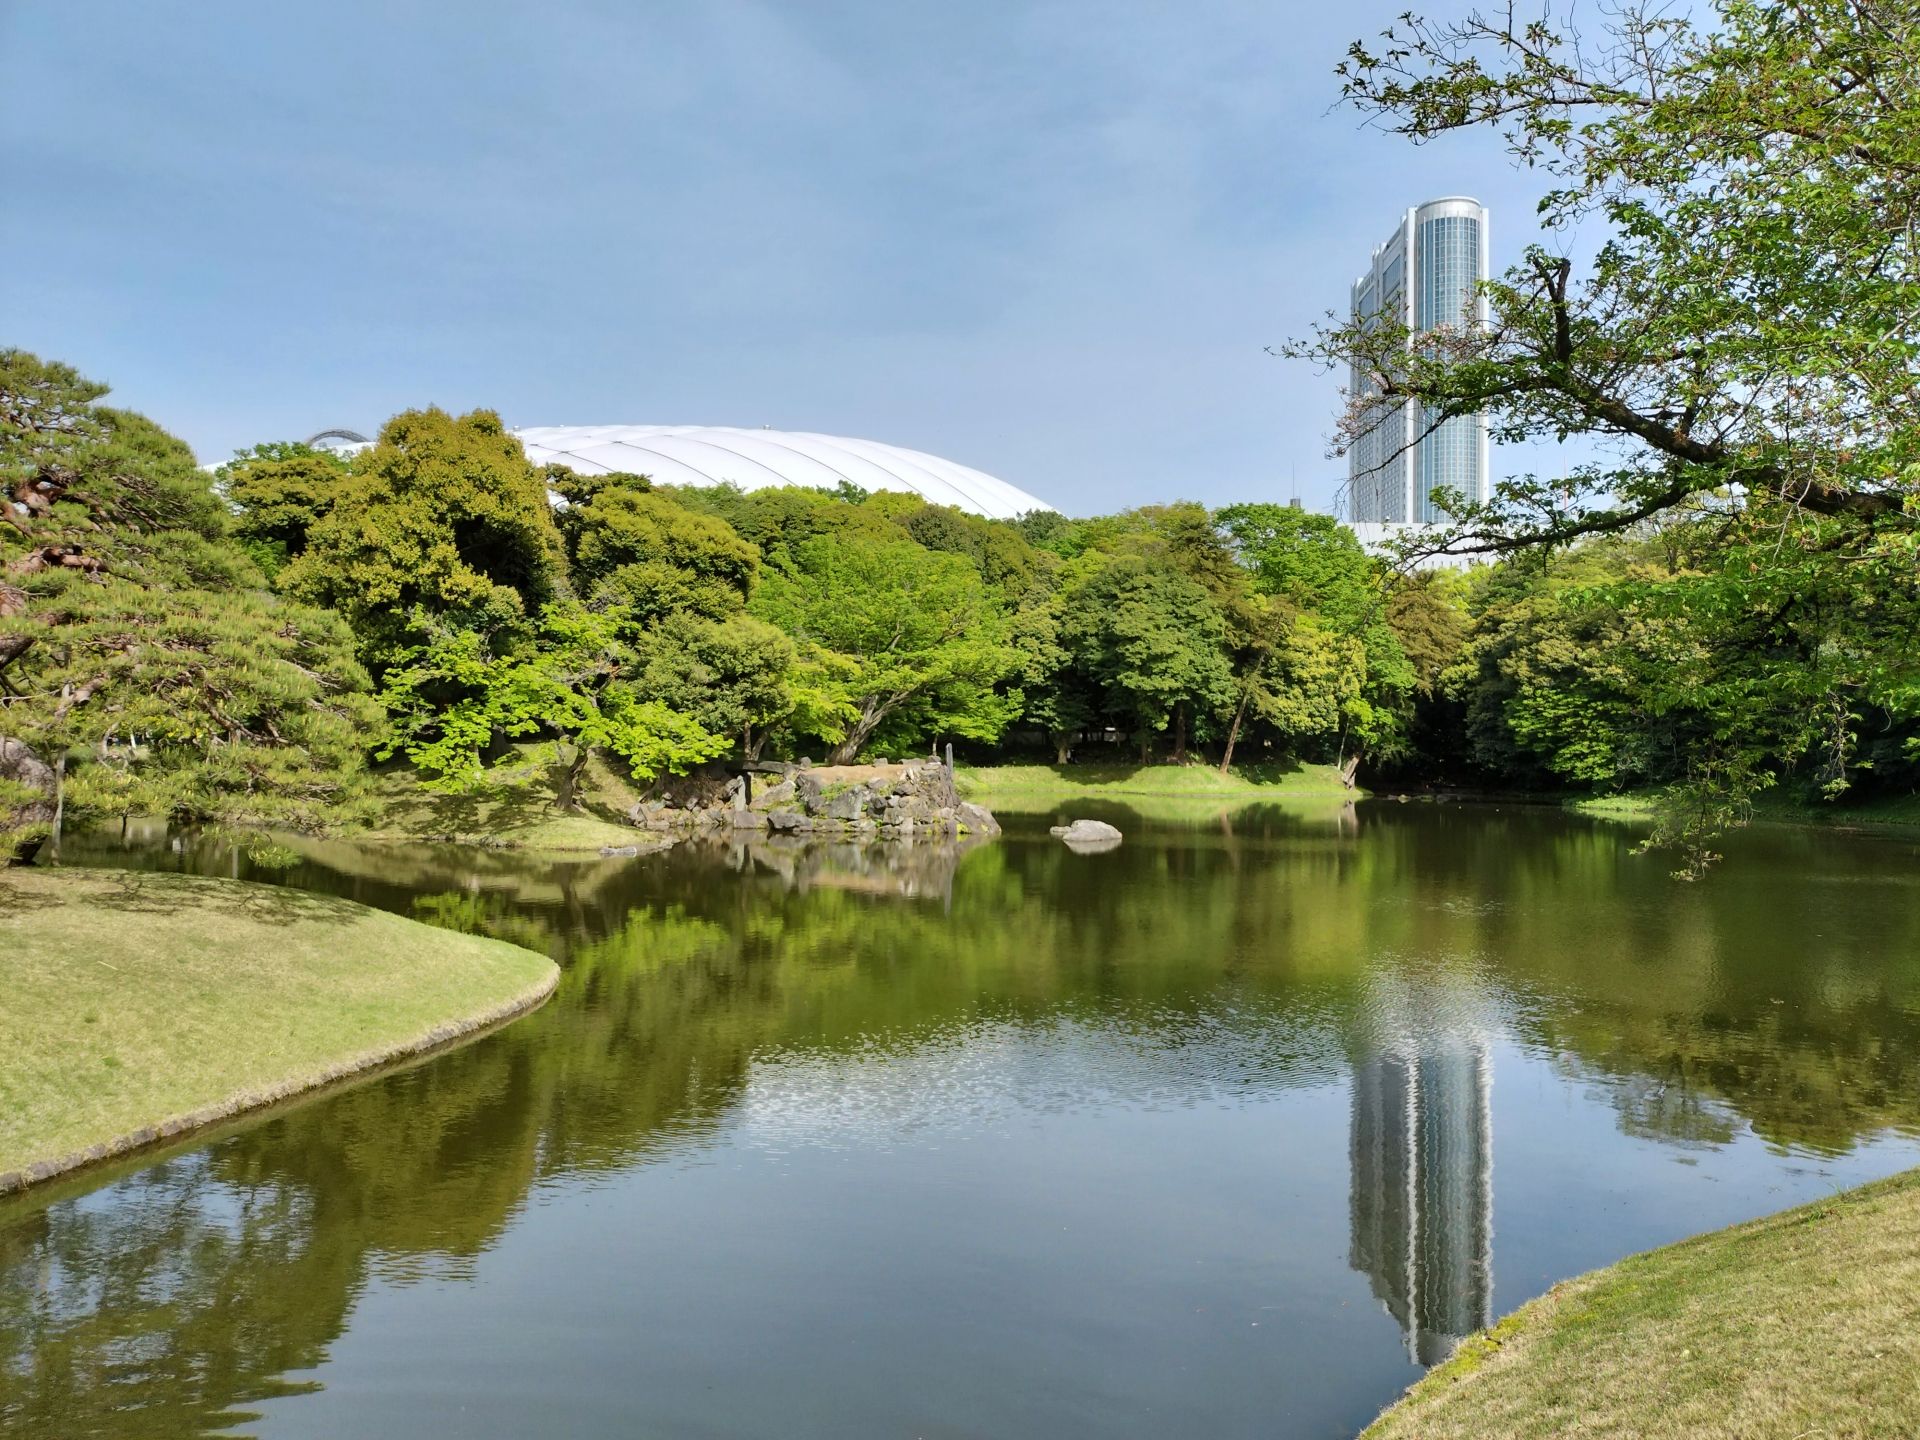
{"x": 516, "y": 809}
{"x": 992, "y": 785}
{"x": 1772, "y": 807}
{"x": 134, "y": 1001}
{"x": 1806, "y": 1323}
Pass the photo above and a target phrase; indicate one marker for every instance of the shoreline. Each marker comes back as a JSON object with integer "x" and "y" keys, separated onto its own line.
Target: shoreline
{"x": 1804, "y": 1321}
{"x": 290, "y": 980}
{"x": 445, "y": 1036}
{"x": 1028, "y": 787}
{"x": 1013, "y": 785}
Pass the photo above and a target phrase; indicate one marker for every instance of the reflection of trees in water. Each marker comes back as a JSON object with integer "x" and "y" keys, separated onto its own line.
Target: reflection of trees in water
{"x": 174, "y": 1286}
{"x": 1781, "y": 992}
{"x": 1688, "y": 1002}
{"x": 1668, "y": 1107}
{"x": 675, "y": 976}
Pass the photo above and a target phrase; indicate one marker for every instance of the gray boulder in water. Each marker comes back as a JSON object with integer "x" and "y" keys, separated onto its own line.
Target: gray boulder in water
{"x": 1087, "y": 836}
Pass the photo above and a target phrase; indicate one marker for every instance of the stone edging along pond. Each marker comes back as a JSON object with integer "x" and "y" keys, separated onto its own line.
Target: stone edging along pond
{"x": 441, "y": 1036}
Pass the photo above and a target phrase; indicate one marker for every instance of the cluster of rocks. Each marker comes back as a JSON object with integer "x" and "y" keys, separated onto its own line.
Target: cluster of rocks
{"x": 896, "y": 800}
{"x": 875, "y": 864}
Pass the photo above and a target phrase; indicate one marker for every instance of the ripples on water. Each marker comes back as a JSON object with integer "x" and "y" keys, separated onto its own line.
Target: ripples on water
{"x": 896, "y": 1089}
{"x": 1226, "y": 1132}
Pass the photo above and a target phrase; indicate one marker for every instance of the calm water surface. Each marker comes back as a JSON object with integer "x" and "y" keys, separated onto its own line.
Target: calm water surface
{"x": 1226, "y": 1133}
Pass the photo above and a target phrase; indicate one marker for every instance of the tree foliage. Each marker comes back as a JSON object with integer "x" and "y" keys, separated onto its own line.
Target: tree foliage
{"x": 651, "y": 555}
{"x": 568, "y": 677}
{"x": 1742, "y": 343}
{"x": 139, "y": 640}
{"x": 441, "y": 515}
{"x": 904, "y": 642}
{"x": 279, "y": 492}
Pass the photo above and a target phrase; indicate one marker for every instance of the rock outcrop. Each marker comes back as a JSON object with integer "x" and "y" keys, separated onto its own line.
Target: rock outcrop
{"x": 900, "y": 801}
{"x": 869, "y": 864}
{"x": 1088, "y": 837}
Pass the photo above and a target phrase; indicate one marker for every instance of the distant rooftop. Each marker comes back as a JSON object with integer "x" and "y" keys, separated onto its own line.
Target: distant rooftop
{"x": 753, "y": 459}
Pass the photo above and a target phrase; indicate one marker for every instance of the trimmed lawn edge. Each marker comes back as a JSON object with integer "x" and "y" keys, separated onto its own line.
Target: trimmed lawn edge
{"x": 1510, "y": 1367}
{"x": 1008, "y": 784}
{"x": 442, "y": 1036}
{"x": 557, "y": 843}
{"x": 1889, "y": 815}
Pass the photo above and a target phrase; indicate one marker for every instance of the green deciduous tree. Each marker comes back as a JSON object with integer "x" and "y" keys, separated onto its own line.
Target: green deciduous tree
{"x": 279, "y": 492}
{"x": 1743, "y": 340}
{"x": 1316, "y": 564}
{"x": 1311, "y": 561}
{"x": 734, "y": 677}
{"x": 779, "y": 519}
{"x": 1548, "y": 689}
{"x": 1057, "y": 696}
{"x": 904, "y": 644}
{"x": 568, "y": 677}
{"x": 441, "y": 515}
{"x": 1154, "y": 642}
{"x": 645, "y": 552}
{"x": 1006, "y": 562}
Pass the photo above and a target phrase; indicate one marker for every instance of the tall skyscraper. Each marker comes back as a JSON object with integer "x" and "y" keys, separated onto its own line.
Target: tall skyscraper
{"x": 1423, "y": 277}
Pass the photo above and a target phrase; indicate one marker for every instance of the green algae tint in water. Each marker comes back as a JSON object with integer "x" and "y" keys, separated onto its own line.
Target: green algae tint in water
{"x": 1224, "y": 1133}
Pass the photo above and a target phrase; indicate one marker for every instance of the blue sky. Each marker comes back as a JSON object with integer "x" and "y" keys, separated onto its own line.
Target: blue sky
{"x": 1050, "y": 240}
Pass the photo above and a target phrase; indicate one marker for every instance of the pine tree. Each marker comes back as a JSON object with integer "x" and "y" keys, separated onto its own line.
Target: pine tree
{"x": 144, "y": 667}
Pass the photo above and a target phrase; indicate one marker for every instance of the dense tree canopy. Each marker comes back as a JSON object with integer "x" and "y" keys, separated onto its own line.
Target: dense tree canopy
{"x": 646, "y": 553}
{"x": 139, "y": 639}
{"x": 1743, "y": 344}
{"x": 900, "y": 641}
{"x": 146, "y": 662}
{"x": 279, "y": 491}
{"x": 441, "y": 515}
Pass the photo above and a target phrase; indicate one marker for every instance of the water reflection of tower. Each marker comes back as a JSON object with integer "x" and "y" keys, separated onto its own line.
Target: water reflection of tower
{"x": 1421, "y": 1146}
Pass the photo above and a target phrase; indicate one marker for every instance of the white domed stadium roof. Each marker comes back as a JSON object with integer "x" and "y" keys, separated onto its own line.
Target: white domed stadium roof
{"x": 752, "y": 459}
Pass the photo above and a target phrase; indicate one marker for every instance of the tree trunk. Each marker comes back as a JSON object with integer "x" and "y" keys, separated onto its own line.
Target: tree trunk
{"x": 1180, "y": 734}
{"x": 1233, "y": 730}
{"x": 1062, "y": 746}
{"x": 1349, "y": 767}
{"x": 875, "y": 710}
{"x": 19, "y": 764}
{"x": 570, "y": 773}
{"x": 13, "y": 601}
{"x": 59, "y": 802}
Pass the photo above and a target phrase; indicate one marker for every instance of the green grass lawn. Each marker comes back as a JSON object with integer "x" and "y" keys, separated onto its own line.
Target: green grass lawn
{"x": 1028, "y": 786}
{"x": 1804, "y": 1324}
{"x": 135, "y": 1002}
{"x": 517, "y": 809}
{"x": 1772, "y": 807}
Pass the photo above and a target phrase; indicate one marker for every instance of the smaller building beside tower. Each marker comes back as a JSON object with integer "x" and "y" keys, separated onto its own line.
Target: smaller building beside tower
{"x": 1424, "y": 276}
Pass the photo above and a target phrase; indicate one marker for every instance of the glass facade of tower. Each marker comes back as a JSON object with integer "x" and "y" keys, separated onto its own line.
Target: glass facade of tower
{"x": 1424, "y": 277}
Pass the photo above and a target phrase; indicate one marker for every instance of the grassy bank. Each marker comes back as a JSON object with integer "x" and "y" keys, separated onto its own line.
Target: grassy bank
{"x": 519, "y": 808}
{"x": 141, "y": 1005}
{"x": 1893, "y": 811}
{"x": 1806, "y": 1323}
{"x": 1017, "y": 787}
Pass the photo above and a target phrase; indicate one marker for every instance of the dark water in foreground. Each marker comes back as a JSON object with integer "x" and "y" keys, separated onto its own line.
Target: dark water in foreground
{"x": 1221, "y": 1134}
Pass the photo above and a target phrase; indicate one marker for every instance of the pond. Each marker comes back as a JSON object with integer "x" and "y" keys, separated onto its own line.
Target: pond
{"x": 1227, "y": 1132}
